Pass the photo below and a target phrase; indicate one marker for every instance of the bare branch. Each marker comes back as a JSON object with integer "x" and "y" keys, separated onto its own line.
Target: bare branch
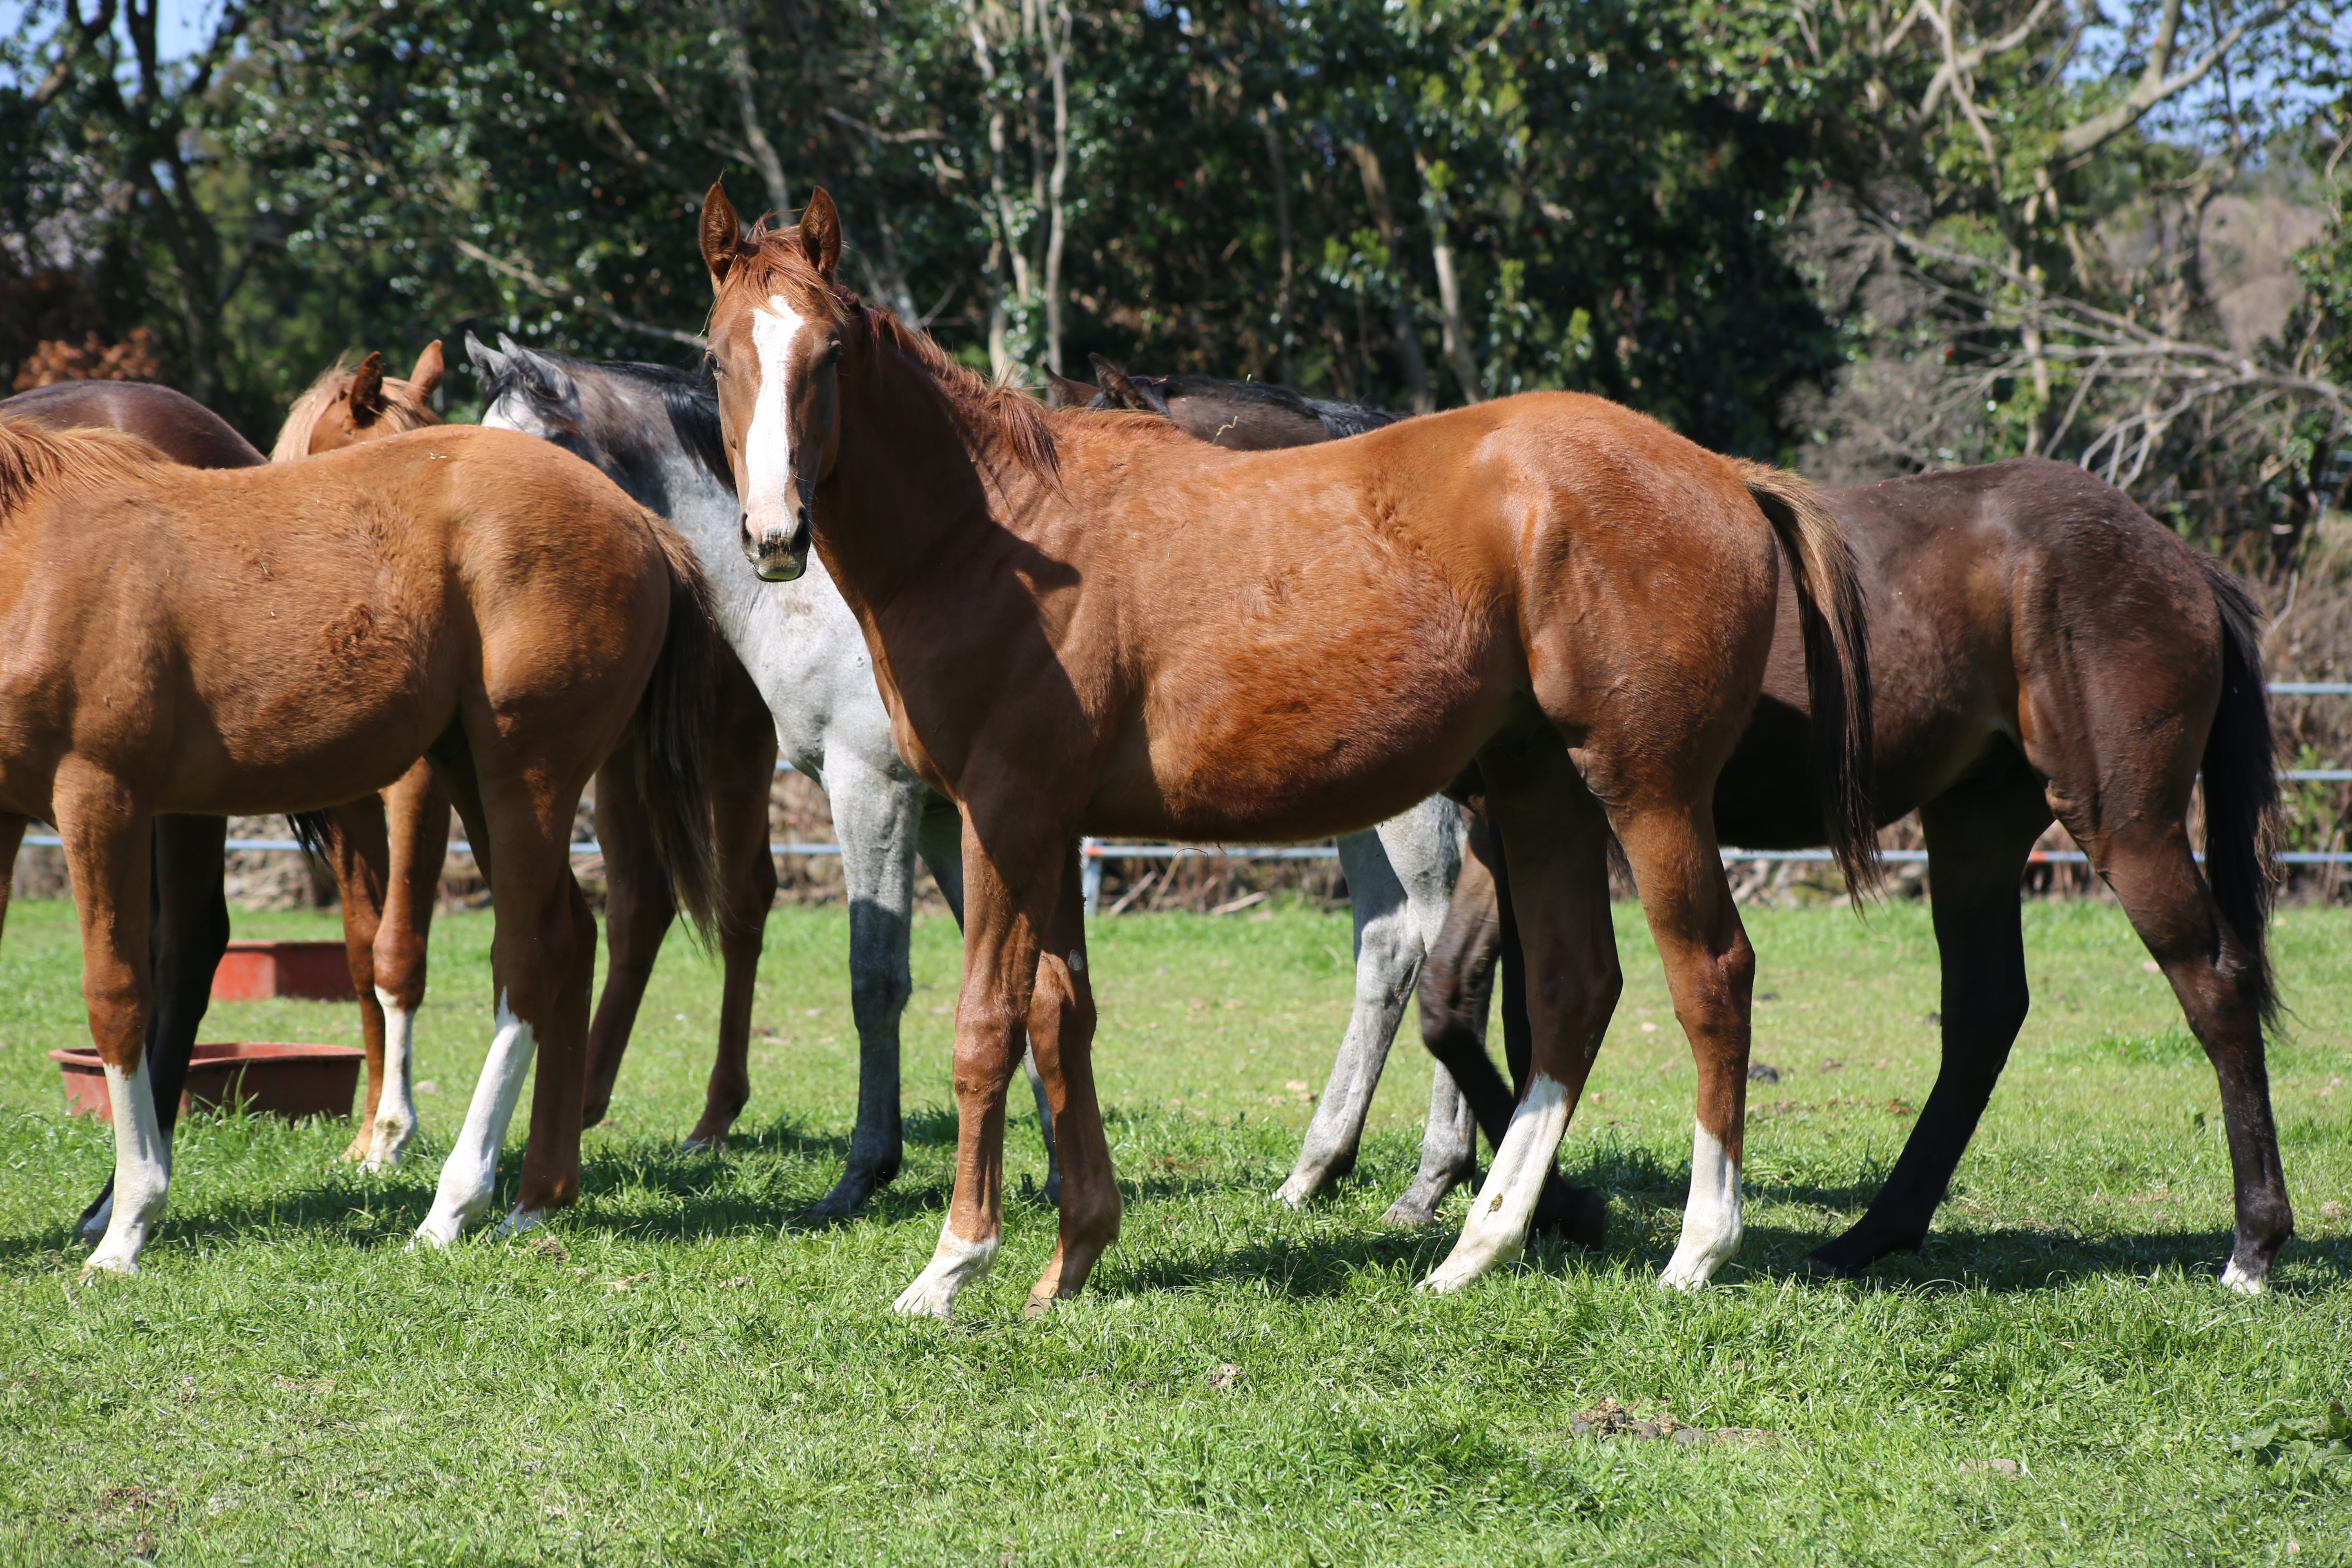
{"x": 2154, "y": 86}
{"x": 548, "y": 288}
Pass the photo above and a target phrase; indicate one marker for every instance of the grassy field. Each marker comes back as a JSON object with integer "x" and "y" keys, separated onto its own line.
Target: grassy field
{"x": 682, "y": 1370}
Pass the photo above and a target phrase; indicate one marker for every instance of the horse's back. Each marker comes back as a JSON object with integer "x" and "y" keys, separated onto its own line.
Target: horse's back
{"x": 176, "y": 424}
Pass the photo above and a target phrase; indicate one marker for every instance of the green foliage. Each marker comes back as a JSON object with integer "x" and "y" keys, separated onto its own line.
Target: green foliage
{"x": 2300, "y": 1445}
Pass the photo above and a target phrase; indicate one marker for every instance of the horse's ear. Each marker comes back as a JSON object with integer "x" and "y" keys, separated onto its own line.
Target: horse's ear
{"x": 367, "y": 386}
{"x": 1115, "y": 384}
{"x": 821, "y": 234}
{"x": 552, "y": 379}
{"x": 488, "y": 361}
{"x": 1061, "y": 392}
{"x": 722, "y": 235}
{"x": 428, "y": 374}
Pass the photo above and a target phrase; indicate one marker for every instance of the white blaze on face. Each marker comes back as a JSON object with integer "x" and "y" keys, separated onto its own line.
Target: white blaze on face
{"x": 143, "y": 1172}
{"x": 768, "y": 501}
{"x": 1496, "y": 1230}
{"x": 1711, "y": 1228}
{"x": 470, "y": 1174}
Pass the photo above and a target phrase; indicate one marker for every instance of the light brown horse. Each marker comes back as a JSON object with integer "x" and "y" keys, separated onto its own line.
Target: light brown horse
{"x": 290, "y": 637}
{"x": 1090, "y": 623}
{"x": 349, "y": 403}
{"x": 387, "y": 918}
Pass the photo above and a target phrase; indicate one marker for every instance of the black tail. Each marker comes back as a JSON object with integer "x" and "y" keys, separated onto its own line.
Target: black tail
{"x": 673, "y": 733}
{"x": 315, "y": 832}
{"x": 2241, "y": 792}
{"x": 1837, "y": 665}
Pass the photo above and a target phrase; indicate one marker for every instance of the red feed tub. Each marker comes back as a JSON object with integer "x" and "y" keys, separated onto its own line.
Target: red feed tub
{"x": 292, "y": 1082}
{"x": 307, "y": 970}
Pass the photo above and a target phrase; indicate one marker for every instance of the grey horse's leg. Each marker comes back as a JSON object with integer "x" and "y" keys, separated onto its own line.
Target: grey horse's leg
{"x": 1397, "y": 882}
{"x": 942, "y": 846}
{"x": 1425, "y": 844}
{"x": 877, "y": 818}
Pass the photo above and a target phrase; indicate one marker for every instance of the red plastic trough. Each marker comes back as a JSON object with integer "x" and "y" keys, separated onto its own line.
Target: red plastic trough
{"x": 258, "y": 971}
{"x": 292, "y": 1082}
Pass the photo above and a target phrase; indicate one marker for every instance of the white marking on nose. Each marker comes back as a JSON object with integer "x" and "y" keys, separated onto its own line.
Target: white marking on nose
{"x": 768, "y": 446}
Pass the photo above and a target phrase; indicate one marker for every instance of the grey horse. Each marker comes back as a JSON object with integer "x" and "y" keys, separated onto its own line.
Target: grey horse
{"x": 655, "y": 431}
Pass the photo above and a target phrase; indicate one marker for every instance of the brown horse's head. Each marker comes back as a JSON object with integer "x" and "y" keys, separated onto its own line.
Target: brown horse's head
{"x": 776, "y": 332}
{"x": 348, "y": 404}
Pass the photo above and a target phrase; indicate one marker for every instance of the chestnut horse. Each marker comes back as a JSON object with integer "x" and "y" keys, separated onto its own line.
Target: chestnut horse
{"x": 385, "y": 921}
{"x": 468, "y": 594}
{"x": 2117, "y": 664}
{"x": 1091, "y": 623}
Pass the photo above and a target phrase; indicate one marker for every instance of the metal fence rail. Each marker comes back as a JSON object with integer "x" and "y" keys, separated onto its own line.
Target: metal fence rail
{"x": 1096, "y": 851}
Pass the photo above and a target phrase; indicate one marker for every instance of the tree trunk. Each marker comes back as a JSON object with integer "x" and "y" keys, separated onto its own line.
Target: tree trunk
{"x": 1408, "y": 332}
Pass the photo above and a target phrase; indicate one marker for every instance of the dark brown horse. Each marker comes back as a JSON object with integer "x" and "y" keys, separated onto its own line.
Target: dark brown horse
{"x": 472, "y": 595}
{"x": 2039, "y": 646}
{"x": 1086, "y": 622}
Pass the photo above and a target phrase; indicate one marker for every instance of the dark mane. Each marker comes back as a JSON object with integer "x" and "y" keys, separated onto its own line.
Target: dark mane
{"x": 688, "y": 397}
{"x": 772, "y": 261}
{"x": 1339, "y": 419}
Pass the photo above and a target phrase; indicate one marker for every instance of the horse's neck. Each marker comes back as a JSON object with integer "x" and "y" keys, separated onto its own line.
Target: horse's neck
{"x": 798, "y": 640}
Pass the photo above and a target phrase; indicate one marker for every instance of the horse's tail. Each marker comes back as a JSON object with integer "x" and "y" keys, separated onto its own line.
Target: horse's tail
{"x": 1837, "y": 664}
{"x": 2242, "y": 790}
{"x": 672, "y": 737}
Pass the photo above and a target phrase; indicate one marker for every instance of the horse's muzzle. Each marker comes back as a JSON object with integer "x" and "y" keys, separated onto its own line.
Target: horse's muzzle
{"x": 778, "y": 554}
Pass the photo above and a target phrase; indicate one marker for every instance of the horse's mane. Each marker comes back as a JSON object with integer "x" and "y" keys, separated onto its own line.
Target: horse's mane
{"x": 1339, "y": 419}
{"x": 689, "y": 398}
{"x": 35, "y": 456}
{"x": 405, "y": 409}
{"x": 773, "y": 261}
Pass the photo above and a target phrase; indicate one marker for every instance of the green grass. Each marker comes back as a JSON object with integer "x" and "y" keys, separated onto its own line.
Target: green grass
{"x": 286, "y": 1383}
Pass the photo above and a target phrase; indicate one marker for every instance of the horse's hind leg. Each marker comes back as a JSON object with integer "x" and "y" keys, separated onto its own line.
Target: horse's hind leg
{"x": 1555, "y": 840}
{"x": 740, "y": 791}
{"x": 877, "y": 819}
{"x": 542, "y": 958}
{"x": 2156, "y": 880}
{"x": 416, "y": 815}
{"x": 108, "y": 854}
{"x": 1978, "y": 834}
{"x": 1710, "y": 973}
{"x": 189, "y": 934}
{"x": 1388, "y": 957}
{"x": 359, "y": 854}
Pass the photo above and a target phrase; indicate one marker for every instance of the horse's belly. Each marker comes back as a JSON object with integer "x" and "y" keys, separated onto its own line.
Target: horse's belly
{"x": 1290, "y": 752}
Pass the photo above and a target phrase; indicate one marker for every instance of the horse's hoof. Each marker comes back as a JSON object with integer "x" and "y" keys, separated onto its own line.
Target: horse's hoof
{"x": 1578, "y": 1215}
{"x": 2244, "y": 1279}
{"x": 1822, "y": 1265}
{"x": 520, "y": 1220}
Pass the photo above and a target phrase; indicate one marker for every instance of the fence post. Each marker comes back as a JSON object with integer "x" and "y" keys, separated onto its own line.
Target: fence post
{"x": 1090, "y": 873}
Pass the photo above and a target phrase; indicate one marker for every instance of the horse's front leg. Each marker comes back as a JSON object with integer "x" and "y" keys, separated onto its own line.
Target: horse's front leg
{"x": 1012, "y": 884}
{"x": 878, "y": 820}
{"x": 109, "y": 850}
{"x": 940, "y": 841}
